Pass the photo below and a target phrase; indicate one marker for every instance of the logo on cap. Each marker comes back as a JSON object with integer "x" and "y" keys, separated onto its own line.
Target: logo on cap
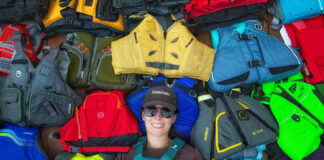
{"x": 160, "y": 92}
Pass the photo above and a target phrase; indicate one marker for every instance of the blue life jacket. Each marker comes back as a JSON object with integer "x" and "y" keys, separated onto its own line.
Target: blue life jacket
{"x": 18, "y": 142}
{"x": 245, "y": 53}
{"x": 290, "y": 12}
{"x": 174, "y": 148}
{"x": 187, "y": 104}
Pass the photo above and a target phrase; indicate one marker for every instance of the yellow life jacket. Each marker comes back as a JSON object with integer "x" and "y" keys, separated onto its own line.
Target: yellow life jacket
{"x": 175, "y": 53}
{"x": 79, "y": 6}
{"x": 54, "y": 13}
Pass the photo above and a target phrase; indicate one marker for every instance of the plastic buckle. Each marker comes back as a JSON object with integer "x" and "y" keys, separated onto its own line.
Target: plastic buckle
{"x": 75, "y": 149}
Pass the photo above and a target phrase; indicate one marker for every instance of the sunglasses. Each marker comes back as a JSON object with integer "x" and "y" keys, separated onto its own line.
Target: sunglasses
{"x": 164, "y": 112}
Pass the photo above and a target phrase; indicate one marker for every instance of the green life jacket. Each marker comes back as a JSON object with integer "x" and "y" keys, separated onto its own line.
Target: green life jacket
{"x": 86, "y": 60}
{"x": 174, "y": 148}
{"x": 299, "y": 111}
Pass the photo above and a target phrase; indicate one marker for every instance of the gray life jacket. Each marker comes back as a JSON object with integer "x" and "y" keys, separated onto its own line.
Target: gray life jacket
{"x": 231, "y": 124}
{"x": 36, "y": 97}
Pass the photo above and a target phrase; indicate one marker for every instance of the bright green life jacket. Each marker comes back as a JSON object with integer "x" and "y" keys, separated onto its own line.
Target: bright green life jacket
{"x": 299, "y": 111}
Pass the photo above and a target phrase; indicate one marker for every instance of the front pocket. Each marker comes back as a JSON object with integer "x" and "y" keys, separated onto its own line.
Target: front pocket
{"x": 48, "y": 109}
{"x": 104, "y": 77}
{"x": 10, "y": 105}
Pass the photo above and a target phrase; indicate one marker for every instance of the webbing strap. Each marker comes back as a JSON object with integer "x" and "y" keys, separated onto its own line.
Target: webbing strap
{"x": 162, "y": 65}
{"x": 291, "y": 99}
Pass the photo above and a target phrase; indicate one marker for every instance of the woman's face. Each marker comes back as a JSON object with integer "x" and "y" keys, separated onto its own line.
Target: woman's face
{"x": 158, "y": 125}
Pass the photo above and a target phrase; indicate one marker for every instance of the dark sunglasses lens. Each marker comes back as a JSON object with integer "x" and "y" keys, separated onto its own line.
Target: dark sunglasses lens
{"x": 150, "y": 112}
{"x": 166, "y": 113}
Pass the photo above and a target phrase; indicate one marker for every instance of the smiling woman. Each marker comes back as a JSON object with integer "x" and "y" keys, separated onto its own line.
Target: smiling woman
{"x": 159, "y": 112}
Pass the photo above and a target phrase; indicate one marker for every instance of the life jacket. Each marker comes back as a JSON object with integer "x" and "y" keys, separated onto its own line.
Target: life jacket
{"x": 31, "y": 37}
{"x": 187, "y": 105}
{"x": 156, "y": 6}
{"x": 245, "y": 53}
{"x": 14, "y": 11}
{"x": 299, "y": 111}
{"x": 92, "y": 16}
{"x": 174, "y": 148}
{"x": 36, "y": 96}
{"x": 231, "y": 124}
{"x": 308, "y": 35}
{"x": 150, "y": 49}
{"x": 289, "y": 12}
{"x": 20, "y": 143}
{"x": 104, "y": 123}
{"x": 86, "y": 60}
{"x": 211, "y": 14}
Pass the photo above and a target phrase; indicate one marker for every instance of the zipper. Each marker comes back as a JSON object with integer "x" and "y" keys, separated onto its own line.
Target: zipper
{"x": 93, "y": 58}
{"x": 101, "y": 59}
{"x": 80, "y": 55}
{"x": 164, "y": 37}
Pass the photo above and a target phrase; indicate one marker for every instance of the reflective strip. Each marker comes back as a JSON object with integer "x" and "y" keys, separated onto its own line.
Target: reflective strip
{"x": 216, "y": 135}
{"x": 204, "y": 97}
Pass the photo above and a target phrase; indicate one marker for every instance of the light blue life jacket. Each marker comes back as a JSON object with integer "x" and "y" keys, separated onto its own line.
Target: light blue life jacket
{"x": 245, "y": 53}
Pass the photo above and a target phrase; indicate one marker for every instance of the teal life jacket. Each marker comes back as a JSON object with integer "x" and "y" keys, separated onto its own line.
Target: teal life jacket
{"x": 174, "y": 148}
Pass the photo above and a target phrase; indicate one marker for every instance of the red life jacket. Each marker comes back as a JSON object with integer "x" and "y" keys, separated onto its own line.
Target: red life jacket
{"x": 308, "y": 34}
{"x": 7, "y": 49}
{"x": 104, "y": 123}
{"x": 201, "y": 7}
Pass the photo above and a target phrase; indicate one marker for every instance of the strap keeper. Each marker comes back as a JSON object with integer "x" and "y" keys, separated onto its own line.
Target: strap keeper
{"x": 255, "y": 63}
{"x": 245, "y": 37}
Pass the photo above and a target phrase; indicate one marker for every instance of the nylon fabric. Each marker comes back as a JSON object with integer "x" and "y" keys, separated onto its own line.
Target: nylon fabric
{"x": 299, "y": 133}
{"x": 148, "y": 44}
{"x": 104, "y": 123}
{"x": 308, "y": 35}
{"x": 75, "y": 15}
{"x": 43, "y": 99}
{"x": 291, "y": 12}
{"x": 259, "y": 57}
{"x": 238, "y": 123}
{"x": 90, "y": 63}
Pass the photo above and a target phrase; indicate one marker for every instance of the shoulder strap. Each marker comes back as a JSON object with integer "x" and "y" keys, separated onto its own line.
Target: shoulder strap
{"x": 139, "y": 146}
{"x": 174, "y": 148}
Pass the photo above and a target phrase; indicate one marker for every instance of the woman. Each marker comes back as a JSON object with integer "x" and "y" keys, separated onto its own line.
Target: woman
{"x": 159, "y": 112}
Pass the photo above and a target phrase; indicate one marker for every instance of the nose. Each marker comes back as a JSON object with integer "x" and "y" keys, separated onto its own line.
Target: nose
{"x": 158, "y": 115}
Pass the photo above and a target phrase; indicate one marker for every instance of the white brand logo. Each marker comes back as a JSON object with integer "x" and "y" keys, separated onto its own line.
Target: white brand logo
{"x": 18, "y": 73}
{"x": 160, "y": 92}
{"x": 100, "y": 115}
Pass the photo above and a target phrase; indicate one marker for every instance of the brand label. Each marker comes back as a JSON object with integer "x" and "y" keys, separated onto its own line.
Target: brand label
{"x": 257, "y": 132}
{"x": 160, "y": 92}
{"x": 206, "y": 134}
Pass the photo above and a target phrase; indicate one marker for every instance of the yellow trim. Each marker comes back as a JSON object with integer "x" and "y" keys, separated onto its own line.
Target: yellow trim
{"x": 216, "y": 135}
{"x": 240, "y": 103}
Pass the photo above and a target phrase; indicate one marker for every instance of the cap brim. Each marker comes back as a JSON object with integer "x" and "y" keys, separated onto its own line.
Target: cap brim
{"x": 162, "y": 103}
